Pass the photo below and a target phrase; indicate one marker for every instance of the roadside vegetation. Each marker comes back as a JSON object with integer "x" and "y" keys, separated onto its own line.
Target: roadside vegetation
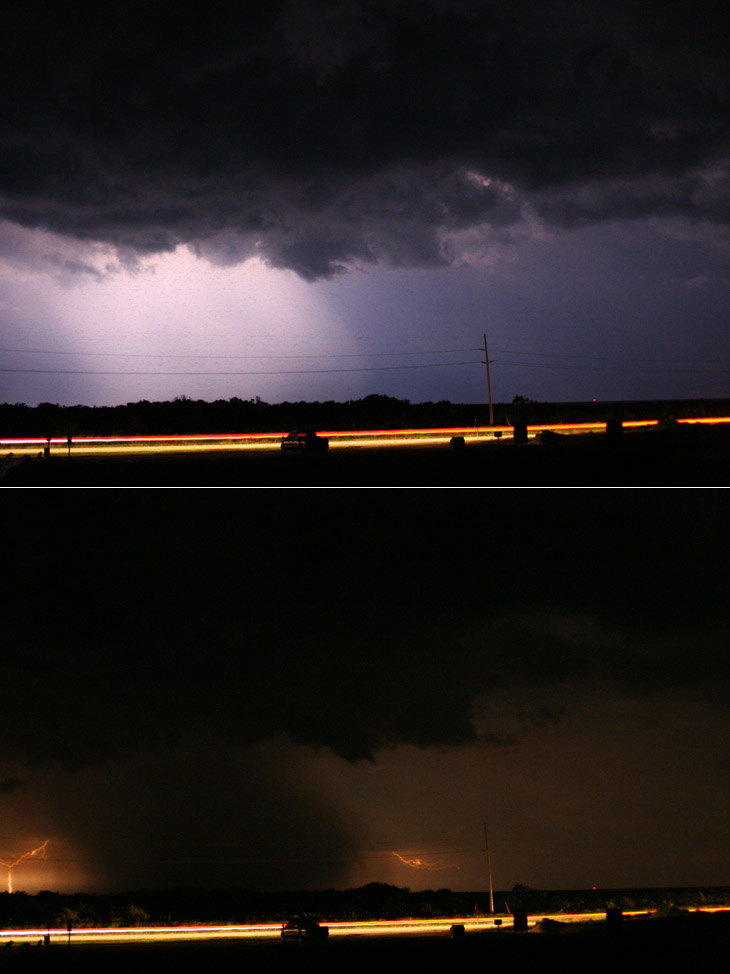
{"x": 185, "y": 415}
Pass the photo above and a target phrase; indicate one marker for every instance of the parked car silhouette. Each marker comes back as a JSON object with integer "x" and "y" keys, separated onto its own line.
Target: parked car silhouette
{"x": 301, "y": 929}
{"x": 304, "y": 441}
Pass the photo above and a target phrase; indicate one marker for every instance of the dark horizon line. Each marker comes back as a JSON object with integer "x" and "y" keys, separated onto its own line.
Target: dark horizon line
{"x": 257, "y": 401}
{"x": 522, "y": 890}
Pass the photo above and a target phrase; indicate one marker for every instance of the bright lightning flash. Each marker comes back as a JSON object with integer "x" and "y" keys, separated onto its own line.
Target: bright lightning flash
{"x": 416, "y": 863}
{"x": 40, "y": 853}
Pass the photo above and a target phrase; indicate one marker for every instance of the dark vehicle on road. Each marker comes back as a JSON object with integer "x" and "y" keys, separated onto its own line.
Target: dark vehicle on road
{"x": 304, "y": 441}
{"x": 304, "y": 929}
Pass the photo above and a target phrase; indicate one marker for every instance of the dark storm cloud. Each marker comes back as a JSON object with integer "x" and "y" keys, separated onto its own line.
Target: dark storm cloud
{"x": 350, "y": 624}
{"x": 9, "y": 785}
{"x": 317, "y": 135}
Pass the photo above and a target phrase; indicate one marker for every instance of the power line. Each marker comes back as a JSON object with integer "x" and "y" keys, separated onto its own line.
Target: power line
{"x": 239, "y": 860}
{"x": 336, "y": 355}
{"x": 320, "y": 355}
{"x": 612, "y": 363}
{"x": 683, "y": 370}
{"x": 377, "y": 368}
{"x": 590, "y": 358}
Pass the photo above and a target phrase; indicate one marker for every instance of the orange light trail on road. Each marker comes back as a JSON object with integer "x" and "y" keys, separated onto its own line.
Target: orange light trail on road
{"x": 340, "y": 437}
{"x": 272, "y": 931}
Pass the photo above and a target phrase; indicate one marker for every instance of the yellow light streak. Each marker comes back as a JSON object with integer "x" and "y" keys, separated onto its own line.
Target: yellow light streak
{"x": 270, "y": 442}
{"x": 272, "y": 931}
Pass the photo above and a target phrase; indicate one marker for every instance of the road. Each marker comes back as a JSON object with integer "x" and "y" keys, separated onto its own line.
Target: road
{"x": 692, "y": 942}
{"x": 685, "y": 455}
{"x": 107, "y": 446}
{"x": 272, "y": 931}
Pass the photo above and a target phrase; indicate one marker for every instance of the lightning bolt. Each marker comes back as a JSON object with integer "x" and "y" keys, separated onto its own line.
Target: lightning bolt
{"x": 40, "y": 852}
{"x": 416, "y": 863}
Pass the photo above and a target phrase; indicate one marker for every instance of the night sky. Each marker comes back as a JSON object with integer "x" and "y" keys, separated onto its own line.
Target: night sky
{"x": 307, "y": 200}
{"x": 291, "y": 690}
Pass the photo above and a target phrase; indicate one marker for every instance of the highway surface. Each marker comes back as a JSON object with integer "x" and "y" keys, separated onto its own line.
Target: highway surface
{"x": 272, "y": 931}
{"x": 87, "y": 446}
{"x": 693, "y": 942}
{"x": 686, "y": 454}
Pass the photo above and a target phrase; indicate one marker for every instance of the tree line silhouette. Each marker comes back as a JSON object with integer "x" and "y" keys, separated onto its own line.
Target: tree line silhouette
{"x": 185, "y": 415}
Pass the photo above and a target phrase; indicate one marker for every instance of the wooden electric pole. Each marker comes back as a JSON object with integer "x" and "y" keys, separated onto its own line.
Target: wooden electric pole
{"x": 489, "y": 386}
{"x": 489, "y": 864}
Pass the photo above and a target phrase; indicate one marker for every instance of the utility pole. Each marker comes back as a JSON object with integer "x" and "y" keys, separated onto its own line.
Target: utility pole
{"x": 486, "y": 846}
{"x": 489, "y": 387}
